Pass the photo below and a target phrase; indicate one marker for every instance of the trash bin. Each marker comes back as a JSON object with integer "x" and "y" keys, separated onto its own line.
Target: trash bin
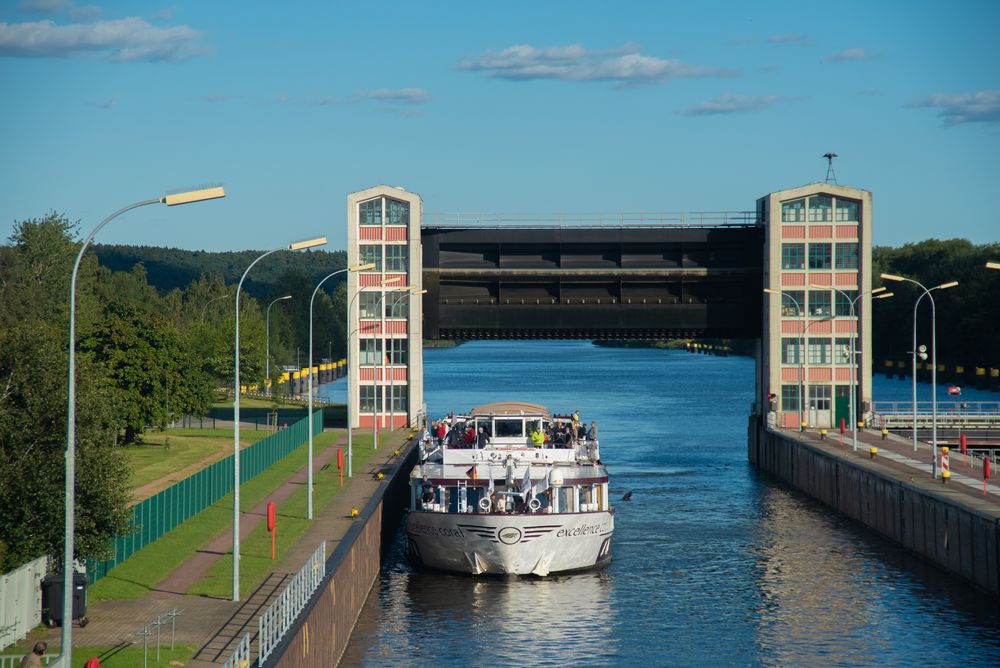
{"x": 52, "y": 599}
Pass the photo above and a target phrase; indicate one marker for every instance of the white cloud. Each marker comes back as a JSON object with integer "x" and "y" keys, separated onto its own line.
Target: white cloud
{"x": 44, "y": 6}
{"x": 128, "y": 39}
{"x": 802, "y": 40}
{"x": 624, "y": 65}
{"x": 84, "y": 12}
{"x": 957, "y": 108}
{"x": 730, "y": 103}
{"x": 852, "y": 55}
{"x": 400, "y": 95}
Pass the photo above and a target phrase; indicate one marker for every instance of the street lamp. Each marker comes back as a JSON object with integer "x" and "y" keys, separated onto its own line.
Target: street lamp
{"x": 993, "y": 265}
{"x": 392, "y": 420}
{"x": 350, "y": 431}
{"x": 801, "y": 351}
{"x": 174, "y": 199}
{"x": 926, "y": 293}
{"x": 379, "y": 304}
{"x": 267, "y": 345}
{"x": 877, "y": 293}
{"x": 205, "y": 307}
{"x": 360, "y": 267}
{"x": 298, "y": 245}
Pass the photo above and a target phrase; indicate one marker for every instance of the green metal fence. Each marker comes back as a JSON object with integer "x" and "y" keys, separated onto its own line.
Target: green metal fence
{"x": 161, "y": 513}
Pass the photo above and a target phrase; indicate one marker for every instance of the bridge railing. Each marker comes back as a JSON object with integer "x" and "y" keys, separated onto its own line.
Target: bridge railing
{"x": 240, "y": 658}
{"x": 597, "y": 219}
{"x": 280, "y": 615}
{"x": 968, "y": 408}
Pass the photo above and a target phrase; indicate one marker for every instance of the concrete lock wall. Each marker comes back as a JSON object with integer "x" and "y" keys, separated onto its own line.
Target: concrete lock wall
{"x": 959, "y": 539}
{"x": 323, "y": 629}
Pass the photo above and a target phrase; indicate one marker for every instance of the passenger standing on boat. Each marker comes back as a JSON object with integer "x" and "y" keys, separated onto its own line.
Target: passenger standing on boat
{"x": 592, "y": 433}
{"x": 454, "y": 437}
{"x": 470, "y": 436}
{"x": 428, "y": 491}
{"x": 440, "y": 432}
{"x": 538, "y": 437}
{"x": 483, "y": 439}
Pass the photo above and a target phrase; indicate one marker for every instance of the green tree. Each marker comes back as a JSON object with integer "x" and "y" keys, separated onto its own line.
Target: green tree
{"x": 154, "y": 378}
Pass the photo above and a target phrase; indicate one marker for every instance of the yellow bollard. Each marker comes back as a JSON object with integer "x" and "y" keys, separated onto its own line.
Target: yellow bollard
{"x": 380, "y": 475}
{"x": 885, "y": 434}
{"x": 354, "y": 512}
{"x": 945, "y": 476}
{"x": 804, "y": 424}
{"x": 872, "y": 452}
{"x": 822, "y": 434}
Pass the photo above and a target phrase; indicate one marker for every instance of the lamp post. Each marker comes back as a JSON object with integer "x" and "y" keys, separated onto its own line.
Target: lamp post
{"x": 801, "y": 351}
{"x": 926, "y": 293}
{"x": 298, "y": 245}
{"x": 361, "y": 267}
{"x": 877, "y": 293}
{"x": 205, "y": 307}
{"x": 186, "y": 197}
{"x": 267, "y": 345}
{"x": 379, "y": 307}
{"x": 350, "y": 431}
{"x": 392, "y": 419}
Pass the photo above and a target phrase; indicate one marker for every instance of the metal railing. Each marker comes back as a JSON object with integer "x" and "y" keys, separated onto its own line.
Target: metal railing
{"x": 280, "y": 615}
{"x": 966, "y": 415}
{"x": 598, "y": 219}
{"x": 944, "y": 407}
{"x": 147, "y": 630}
{"x": 240, "y": 658}
{"x": 14, "y": 660}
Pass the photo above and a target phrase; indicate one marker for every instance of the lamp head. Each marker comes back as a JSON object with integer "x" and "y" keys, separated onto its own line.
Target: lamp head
{"x": 362, "y": 267}
{"x": 309, "y": 243}
{"x": 949, "y": 284}
{"x": 878, "y": 290}
{"x": 884, "y": 295}
{"x": 196, "y": 195}
{"x": 993, "y": 265}
{"x": 285, "y": 297}
{"x": 892, "y": 277}
{"x": 392, "y": 281}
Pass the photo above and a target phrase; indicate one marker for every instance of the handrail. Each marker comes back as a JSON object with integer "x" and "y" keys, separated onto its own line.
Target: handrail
{"x": 240, "y": 658}
{"x": 280, "y": 615}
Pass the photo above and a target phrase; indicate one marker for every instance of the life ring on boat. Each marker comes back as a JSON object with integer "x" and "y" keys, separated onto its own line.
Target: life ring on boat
{"x": 484, "y": 504}
{"x": 534, "y": 504}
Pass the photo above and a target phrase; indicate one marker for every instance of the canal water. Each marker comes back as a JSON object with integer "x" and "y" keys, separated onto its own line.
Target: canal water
{"x": 714, "y": 563}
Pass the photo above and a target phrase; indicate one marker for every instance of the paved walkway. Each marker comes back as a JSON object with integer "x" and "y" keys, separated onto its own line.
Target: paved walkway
{"x": 216, "y": 625}
{"x": 896, "y": 456}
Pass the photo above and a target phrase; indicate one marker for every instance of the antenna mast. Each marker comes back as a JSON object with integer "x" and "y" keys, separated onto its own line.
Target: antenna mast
{"x": 831, "y": 177}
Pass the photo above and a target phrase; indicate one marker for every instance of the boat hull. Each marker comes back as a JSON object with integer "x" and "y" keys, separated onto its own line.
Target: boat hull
{"x": 499, "y": 544}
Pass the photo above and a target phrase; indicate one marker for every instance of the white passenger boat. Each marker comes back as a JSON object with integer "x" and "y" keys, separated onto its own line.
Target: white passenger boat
{"x": 509, "y": 506}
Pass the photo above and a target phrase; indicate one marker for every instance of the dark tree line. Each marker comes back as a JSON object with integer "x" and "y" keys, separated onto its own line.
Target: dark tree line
{"x": 968, "y": 316}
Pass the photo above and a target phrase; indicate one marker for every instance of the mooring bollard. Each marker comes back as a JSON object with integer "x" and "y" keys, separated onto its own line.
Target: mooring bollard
{"x": 885, "y": 434}
{"x": 872, "y": 451}
{"x": 822, "y": 434}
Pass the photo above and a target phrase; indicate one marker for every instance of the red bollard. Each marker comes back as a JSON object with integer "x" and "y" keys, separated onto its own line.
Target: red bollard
{"x": 340, "y": 464}
{"x": 271, "y": 524}
{"x": 986, "y": 473}
{"x": 842, "y": 427}
{"x": 963, "y": 442}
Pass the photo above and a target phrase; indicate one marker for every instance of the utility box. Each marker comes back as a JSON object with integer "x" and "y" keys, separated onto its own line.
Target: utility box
{"x": 52, "y": 599}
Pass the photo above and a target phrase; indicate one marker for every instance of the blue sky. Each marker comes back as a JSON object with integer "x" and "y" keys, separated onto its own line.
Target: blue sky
{"x": 492, "y": 106}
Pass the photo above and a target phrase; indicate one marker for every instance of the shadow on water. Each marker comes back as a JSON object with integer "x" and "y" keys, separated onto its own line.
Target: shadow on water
{"x": 714, "y": 563}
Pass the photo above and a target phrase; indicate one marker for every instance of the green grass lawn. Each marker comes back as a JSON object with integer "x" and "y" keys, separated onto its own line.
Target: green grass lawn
{"x": 134, "y": 577}
{"x": 151, "y": 460}
{"x": 124, "y": 656}
{"x": 255, "y": 549}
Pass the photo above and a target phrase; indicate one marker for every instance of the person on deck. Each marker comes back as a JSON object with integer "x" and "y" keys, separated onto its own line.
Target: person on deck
{"x": 592, "y": 432}
{"x": 538, "y": 437}
{"x": 482, "y": 439}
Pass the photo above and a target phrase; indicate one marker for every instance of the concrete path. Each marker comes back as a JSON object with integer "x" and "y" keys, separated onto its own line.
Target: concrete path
{"x": 216, "y": 625}
{"x": 896, "y": 454}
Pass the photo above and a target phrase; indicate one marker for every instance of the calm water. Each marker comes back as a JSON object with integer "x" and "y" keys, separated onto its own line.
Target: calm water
{"x": 714, "y": 563}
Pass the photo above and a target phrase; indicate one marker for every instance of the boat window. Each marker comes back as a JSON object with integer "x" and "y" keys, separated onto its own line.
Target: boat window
{"x": 509, "y": 427}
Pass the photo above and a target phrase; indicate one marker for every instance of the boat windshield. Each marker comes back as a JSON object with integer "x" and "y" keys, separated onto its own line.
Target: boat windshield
{"x": 509, "y": 427}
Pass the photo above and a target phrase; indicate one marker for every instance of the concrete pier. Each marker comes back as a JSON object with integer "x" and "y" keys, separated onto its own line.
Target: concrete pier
{"x": 953, "y": 526}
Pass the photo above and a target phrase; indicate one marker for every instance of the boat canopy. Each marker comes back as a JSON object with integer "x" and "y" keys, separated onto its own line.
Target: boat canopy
{"x": 511, "y": 408}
